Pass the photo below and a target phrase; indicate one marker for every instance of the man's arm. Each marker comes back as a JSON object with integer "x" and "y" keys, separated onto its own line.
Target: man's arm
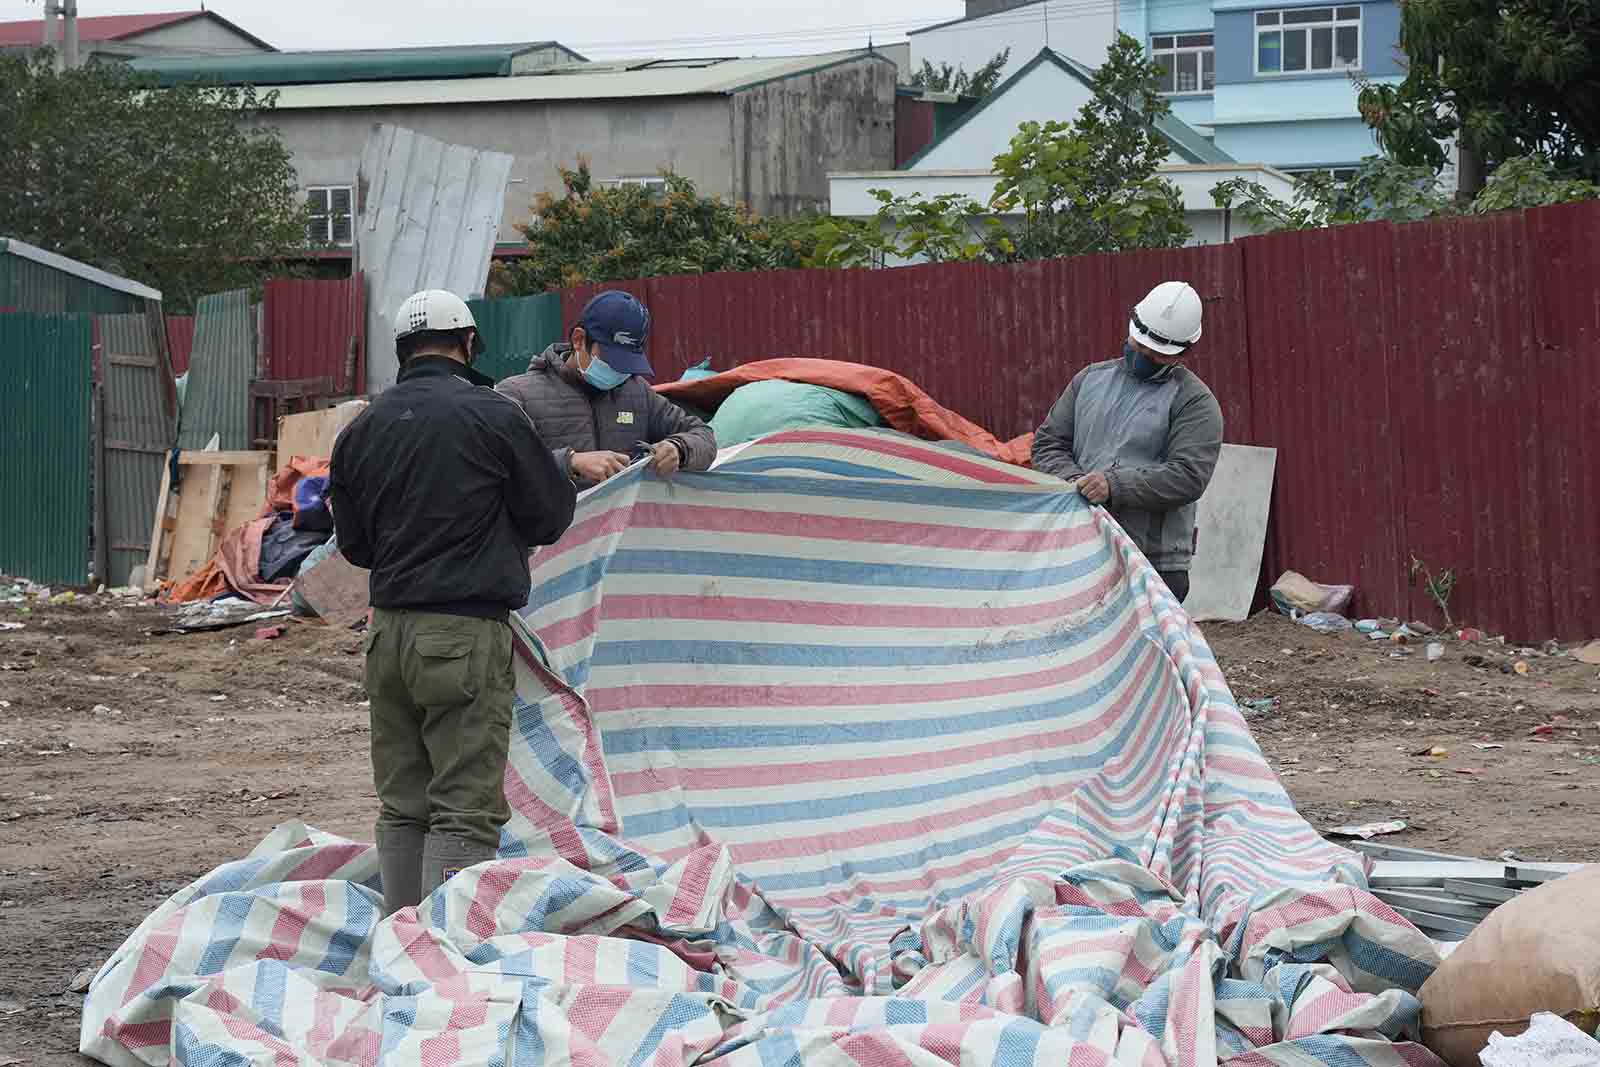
{"x": 539, "y": 494}
{"x": 1194, "y": 441}
{"x": 349, "y": 518}
{"x": 1052, "y": 443}
{"x": 669, "y": 422}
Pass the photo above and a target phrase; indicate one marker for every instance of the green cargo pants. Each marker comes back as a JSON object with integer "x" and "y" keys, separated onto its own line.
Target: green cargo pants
{"x": 441, "y": 688}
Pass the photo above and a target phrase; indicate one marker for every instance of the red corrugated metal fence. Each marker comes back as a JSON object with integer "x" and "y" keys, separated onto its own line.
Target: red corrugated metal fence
{"x": 180, "y": 339}
{"x": 309, "y": 327}
{"x": 1432, "y": 389}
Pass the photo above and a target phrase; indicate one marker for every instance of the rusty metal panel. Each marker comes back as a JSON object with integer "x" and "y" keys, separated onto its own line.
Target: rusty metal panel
{"x": 309, "y": 327}
{"x": 1321, "y": 350}
{"x": 139, "y": 430}
{"x": 221, "y": 368}
{"x": 45, "y": 455}
{"x": 180, "y": 335}
{"x": 1564, "y": 256}
{"x": 429, "y": 215}
{"x": 1468, "y": 430}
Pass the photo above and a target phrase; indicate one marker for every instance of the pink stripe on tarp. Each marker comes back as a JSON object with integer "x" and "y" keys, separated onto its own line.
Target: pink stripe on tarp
{"x": 844, "y": 1011}
{"x": 467, "y": 1014}
{"x": 633, "y": 698}
{"x": 1086, "y": 1055}
{"x": 440, "y": 1050}
{"x": 873, "y": 1049}
{"x": 690, "y": 898}
{"x": 583, "y": 533}
{"x": 581, "y": 953}
{"x": 157, "y": 1032}
{"x": 327, "y": 861}
{"x": 939, "y": 458}
{"x": 155, "y": 956}
{"x": 292, "y": 923}
{"x": 417, "y": 941}
{"x": 866, "y": 768}
{"x": 494, "y": 883}
{"x": 944, "y": 1041}
{"x": 593, "y": 1010}
{"x": 714, "y": 519}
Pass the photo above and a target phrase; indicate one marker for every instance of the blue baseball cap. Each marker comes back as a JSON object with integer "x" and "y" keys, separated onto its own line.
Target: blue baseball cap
{"x": 620, "y": 325}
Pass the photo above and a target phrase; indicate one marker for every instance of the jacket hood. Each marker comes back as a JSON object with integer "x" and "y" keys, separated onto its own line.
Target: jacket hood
{"x": 551, "y": 358}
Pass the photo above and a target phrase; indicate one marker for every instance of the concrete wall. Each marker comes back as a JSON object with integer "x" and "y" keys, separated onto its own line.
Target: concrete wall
{"x": 1326, "y": 143}
{"x": 623, "y": 138}
{"x": 788, "y": 135}
{"x": 1082, "y": 31}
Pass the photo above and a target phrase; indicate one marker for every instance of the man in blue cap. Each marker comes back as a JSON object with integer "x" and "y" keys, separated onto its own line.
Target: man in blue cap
{"x": 595, "y": 411}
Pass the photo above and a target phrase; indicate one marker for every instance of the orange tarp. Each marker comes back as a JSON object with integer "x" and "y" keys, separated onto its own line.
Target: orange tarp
{"x": 903, "y": 405}
{"x": 237, "y": 565}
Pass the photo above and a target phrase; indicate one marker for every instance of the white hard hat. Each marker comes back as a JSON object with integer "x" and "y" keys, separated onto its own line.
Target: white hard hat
{"x": 1168, "y": 319}
{"x": 436, "y": 309}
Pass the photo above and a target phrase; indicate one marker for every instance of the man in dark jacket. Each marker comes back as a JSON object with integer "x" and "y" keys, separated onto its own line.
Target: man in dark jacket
{"x": 595, "y": 412}
{"x": 1141, "y": 434}
{"x": 439, "y": 489}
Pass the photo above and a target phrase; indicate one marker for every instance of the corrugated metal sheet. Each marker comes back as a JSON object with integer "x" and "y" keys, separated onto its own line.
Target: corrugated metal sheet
{"x": 140, "y": 426}
{"x": 429, "y": 215}
{"x": 220, "y": 370}
{"x": 309, "y": 328}
{"x": 45, "y": 458}
{"x": 26, "y": 284}
{"x": 1431, "y": 388}
{"x": 514, "y": 331}
{"x": 180, "y": 336}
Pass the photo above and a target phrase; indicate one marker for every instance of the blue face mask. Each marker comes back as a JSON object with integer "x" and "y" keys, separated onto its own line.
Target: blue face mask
{"x": 600, "y": 375}
{"x": 1142, "y": 366}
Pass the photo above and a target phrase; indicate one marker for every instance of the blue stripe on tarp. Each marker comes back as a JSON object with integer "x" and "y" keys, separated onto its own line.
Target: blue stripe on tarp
{"x": 815, "y": 464}
{"x": 232, "y": 911}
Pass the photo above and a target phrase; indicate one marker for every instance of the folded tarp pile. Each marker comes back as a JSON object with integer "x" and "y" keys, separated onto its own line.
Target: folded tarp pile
{"x": 859, "y": 750}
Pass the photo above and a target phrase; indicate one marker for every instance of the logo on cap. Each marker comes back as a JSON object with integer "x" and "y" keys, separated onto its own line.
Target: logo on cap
{"x": 623, "y": 337}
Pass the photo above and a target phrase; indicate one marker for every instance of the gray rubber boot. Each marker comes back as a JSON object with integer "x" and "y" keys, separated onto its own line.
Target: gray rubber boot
{"x": 446, "y": 855}
{"x": 400, "y": 850}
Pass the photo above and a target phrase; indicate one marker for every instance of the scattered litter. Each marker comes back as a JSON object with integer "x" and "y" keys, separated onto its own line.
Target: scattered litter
{"x": 1367, "y": 626}
{"x": 1485, "y": 746}
{"x": 104, "y": 712}
{"x": 1326, "y": 770}
{"x": 64, "y": 598}
{"x": 271, "y": 633}
{"x": 202, "y": 616}
{"x": 1252, "y": 709}
{"x": 1521, "y": 667}
{"x": 1435, "y": 652}
{"x": 1589, "y": 654}
{"x": 1378, "y": 635}
{"x": 1482, "y": 662}
{"x": 80, "y": 983}
{"x": 1433, "y": 750}
{"x": 1295, "y": 592}
{"x": 1543, "y": 730}
{"x": 1428, "y": 691}
{"x": 1325, "y": 622}
{"x": 1421, "y": 629}
{"x": 1549, "y": 1041}
{"x": 219, "y": 698}
{"x": 1472, "y": 635}
{"x": 13, "y": 626}
{"x": 1469, "y": 770}
{"x": 1369, "y": 830}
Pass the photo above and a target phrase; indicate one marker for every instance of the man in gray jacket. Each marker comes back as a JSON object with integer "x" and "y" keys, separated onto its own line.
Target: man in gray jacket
{"x": 1141, "y": 434}
{"x": 594, "y": 412}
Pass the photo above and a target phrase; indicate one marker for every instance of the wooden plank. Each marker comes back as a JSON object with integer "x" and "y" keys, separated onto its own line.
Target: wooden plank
{"x": 337, "y": 590}
{"x": 191, "y": 537}
{"x": 224, "y": 459}
{"x": 102, "y": 518}
{"x": 312, "y": 433}
{"x": 124, "y": 359}
{"x": 151, "y": 567}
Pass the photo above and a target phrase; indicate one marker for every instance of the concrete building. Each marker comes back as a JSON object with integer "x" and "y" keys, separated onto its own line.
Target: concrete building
{"x": 1051, "y": 86}
{"x": 765, "y": 132}
{"x": 125, "y": 37}
{"x": 1267, "y": 80}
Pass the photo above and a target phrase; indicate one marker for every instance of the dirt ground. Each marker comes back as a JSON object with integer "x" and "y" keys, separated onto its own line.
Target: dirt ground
{"x": 132, "y": 764}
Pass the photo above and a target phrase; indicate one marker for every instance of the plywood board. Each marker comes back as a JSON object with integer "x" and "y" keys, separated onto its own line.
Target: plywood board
{"x": 312, "y": 433}
{"x": 337, "y": 590}
{"x": 220, "y": 491}
{"x": 1232, "y": 530}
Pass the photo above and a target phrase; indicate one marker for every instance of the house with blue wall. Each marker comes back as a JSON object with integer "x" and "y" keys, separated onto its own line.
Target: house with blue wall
{"x": 1271, "y": 80}
{"x": 1267, "y": 81}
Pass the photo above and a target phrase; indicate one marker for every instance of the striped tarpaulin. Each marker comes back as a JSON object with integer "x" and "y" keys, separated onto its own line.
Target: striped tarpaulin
{"x": 857, "y": 751}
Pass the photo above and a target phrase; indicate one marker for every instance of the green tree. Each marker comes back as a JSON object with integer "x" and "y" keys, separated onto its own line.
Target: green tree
{"x": 611, "y": 233}
{"x": 187, "y": 189}
{"x": 1515, "y": 78}
{"x": 1092, "y": 186}
{"x": 948, "y": 78}
{"x": 1386, "y": 190}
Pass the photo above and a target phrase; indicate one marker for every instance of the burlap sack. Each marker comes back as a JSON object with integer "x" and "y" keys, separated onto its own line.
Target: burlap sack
{"x": 1539, "y": 952}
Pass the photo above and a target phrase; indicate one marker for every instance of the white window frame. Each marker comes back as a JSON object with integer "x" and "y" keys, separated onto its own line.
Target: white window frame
{"x": 1340, "y": 175}
{"x": 1282, "y": 28}
{"x": 655, "y": 185}
{"x": 1172, "y": 50}
{"x": 327, "y": 217}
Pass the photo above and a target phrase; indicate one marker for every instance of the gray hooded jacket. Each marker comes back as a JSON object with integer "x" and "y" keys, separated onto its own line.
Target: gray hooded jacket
{"x": 573, "y": 417}
{"x": 1156, "y": 442}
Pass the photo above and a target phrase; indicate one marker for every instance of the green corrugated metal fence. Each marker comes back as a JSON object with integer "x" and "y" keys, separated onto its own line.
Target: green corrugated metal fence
{"x": 221, "y": 367}
{"x": 140, "y": 423}
{"x": 45, "y": 458}
{"x": 29, "y": 286}
{"x": 515, "y": 330}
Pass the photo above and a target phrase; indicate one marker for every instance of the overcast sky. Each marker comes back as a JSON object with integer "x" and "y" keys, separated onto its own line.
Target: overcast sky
{"x": 598, "y": 28}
